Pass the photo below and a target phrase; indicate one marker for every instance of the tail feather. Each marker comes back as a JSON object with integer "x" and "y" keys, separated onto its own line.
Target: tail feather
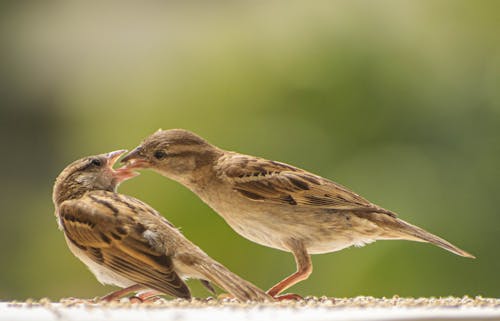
{"x": 235, "y": 285}
{"x": 418, "y": 234}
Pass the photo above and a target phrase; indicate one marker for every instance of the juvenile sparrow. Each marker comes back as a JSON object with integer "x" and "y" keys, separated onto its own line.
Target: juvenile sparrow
{"x": 125, "y": 242}
{"x": 272, "y": 203}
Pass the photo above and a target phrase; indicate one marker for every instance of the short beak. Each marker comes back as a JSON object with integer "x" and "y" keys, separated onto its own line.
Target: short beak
{"x": 113, "y": 156}
{"x": 120, "y": 174}
{"x": 135, "y": 159}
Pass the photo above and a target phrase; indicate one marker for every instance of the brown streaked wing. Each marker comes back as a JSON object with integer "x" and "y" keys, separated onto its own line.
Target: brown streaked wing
{"x": 263, "y": 180}
{"x": 112, "y": 237}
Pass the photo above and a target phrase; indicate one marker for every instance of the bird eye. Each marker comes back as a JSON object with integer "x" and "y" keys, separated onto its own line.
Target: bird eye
{"x": 96, "y": 162}
{"x": 159, "y": 154}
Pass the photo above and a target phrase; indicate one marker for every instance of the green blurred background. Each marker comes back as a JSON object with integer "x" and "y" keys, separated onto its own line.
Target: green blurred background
{"x": 398, "y": 100}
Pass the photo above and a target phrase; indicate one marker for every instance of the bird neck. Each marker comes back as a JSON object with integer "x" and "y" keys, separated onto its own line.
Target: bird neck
{"x": 64, "y": 193}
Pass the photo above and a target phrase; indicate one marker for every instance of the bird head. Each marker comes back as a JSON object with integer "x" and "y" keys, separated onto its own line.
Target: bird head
{"x": 88, "y": 174}
{"x": 174, "y": 153}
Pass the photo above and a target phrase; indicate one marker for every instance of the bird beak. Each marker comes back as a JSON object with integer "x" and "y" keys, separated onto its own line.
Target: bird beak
{"x": 120, "y": 174}
{"x": 135, "y": 159}
{"x": 113, "y": 156}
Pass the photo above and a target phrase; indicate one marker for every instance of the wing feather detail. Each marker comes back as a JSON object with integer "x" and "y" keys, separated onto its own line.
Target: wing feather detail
{"x": 272, "y": 182}
{"x": 105, "y": 225}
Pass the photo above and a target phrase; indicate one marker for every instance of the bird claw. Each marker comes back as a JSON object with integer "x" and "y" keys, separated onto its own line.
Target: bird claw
{"x": 135, "y": 299}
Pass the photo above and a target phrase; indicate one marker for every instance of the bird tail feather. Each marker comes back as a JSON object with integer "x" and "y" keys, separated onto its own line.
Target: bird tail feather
{"x": 235, "y": 285}
{"x": 415, "y": 233}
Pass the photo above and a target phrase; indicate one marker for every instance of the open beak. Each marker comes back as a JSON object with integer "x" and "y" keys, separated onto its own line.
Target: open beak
{"x": 113, "y": 156}
{"x": 120, "y": 174}
{"x": 135, "y": 159}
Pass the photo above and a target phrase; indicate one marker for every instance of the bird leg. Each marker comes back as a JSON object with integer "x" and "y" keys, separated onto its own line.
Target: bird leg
{"x": 304, "y": 269}
{"x": 120, "y": 293}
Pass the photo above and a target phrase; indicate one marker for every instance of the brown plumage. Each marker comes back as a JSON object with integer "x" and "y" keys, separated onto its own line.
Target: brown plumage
{"x": 272, "y": 203}
{"x": 125, "y": 242}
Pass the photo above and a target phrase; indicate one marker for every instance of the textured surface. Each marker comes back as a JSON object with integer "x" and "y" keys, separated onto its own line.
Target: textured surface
{"x": 312, "y": 308}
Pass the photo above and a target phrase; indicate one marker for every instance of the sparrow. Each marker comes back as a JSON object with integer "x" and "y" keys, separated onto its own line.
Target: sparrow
{"x": 127, "y": 243}
{"x": 272, "y": 203}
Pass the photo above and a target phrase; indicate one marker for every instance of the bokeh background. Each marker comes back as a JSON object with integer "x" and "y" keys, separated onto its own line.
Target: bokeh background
{"x": 398, "y": 100}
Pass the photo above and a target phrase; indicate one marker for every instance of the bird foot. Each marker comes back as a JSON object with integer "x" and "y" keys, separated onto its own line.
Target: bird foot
{"x": 148, "y": 296}
{"x": 115, "y": 296}
{"x": 288, "y": 296}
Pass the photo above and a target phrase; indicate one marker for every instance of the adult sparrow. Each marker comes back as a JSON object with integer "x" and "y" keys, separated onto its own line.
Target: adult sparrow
{"x": 125, "y": 242}
{"x": 273, "y": 203}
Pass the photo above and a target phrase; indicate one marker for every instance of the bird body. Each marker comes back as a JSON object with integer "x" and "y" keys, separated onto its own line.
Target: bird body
{"x": 125, "y": 242}
{"x": 322, "y": 214}
{"x": 273, "y": 203}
